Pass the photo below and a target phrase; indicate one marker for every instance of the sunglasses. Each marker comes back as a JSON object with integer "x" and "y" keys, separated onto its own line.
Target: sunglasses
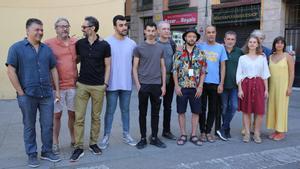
{"x": 84, "y": 27}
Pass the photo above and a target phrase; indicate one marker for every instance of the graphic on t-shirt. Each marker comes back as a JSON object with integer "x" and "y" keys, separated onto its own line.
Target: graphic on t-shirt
{"x": 211, "y": 56}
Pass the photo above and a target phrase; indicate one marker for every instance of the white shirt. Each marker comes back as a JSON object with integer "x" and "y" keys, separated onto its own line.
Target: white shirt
{"x": 249, "y": 68}
{"x": 121, "y": 63}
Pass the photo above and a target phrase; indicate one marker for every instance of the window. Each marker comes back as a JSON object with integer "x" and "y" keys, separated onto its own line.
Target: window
{"x": 144, "y": 5}
{"x": 179, "y": 3}
{"x": 292, "y": 34}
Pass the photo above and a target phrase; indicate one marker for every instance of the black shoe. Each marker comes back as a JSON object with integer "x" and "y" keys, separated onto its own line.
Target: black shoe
{"x": 169, "y": 135}
{"x": 227, "y": 133}
{"x": 95, "y": 149}
{"x": 221, "y": 135}
{"x": 141, "y": 144}
{"x": 156, "y": 142}
{"x": 77, "y": 154}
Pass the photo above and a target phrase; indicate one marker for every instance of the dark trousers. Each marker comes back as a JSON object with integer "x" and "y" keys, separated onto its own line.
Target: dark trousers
{"x": 167, "y": 102}
{"x": 211, "y": 95}
{"x": 152, "y": 91}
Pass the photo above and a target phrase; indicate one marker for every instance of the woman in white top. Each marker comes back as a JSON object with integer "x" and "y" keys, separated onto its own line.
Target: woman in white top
{"x": 252, "y": 74}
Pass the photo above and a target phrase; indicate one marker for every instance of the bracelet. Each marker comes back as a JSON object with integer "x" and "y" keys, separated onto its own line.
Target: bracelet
{"x": 106, "y": 84}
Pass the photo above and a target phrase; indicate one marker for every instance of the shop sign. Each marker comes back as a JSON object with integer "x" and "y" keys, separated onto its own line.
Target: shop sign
{"x": 181, "y": 19}
{"x": 239, "y": 14}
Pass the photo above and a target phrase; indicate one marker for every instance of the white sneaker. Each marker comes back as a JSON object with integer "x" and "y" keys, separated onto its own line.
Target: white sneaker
{"x": 104, "y": 143}
{"x": 129, "y": 140}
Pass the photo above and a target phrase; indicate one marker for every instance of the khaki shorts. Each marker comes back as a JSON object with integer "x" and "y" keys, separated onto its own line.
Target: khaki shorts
{"x": 67, "y": 98}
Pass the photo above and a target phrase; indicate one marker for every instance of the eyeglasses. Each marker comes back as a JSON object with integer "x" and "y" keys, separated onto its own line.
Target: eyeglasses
{"x": 84, "y": 27}
{"x": 63, "y": 26}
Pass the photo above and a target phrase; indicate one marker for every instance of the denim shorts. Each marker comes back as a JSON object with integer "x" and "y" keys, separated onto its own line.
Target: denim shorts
{"x": 188, "y": 95}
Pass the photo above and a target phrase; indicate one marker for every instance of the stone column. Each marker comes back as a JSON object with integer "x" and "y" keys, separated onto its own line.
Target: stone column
{"x": 204, "y": 18}
{"x": 273, "y": 20}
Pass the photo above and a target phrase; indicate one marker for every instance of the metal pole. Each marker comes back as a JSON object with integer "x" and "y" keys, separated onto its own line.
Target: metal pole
{"x": 206, "y": 6}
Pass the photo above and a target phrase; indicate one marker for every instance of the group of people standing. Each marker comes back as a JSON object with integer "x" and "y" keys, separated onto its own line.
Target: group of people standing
{"x": 216, "y": 80}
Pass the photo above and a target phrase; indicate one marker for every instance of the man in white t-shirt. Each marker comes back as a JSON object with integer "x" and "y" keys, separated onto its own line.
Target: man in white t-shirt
{"x": 120, "y": 81}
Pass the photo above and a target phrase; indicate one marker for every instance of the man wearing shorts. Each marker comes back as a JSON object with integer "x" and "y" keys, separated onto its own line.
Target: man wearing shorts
{"x": 63, "y": 47}
{"x": 189, "y": 71}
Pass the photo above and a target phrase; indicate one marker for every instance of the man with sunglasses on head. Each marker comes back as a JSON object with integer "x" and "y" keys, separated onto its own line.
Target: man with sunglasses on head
{"x": 94, "y": 55}
{"x": 63, "y": 47}
{"x": 30, "y": 65}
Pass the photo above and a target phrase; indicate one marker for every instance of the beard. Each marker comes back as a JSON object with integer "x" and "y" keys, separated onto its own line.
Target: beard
{"x": 123, "y": 33}
{"x": 191, "y": 43}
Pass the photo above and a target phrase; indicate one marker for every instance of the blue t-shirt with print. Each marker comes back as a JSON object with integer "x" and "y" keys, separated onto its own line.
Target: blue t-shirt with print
{"x": 215, "y": 54}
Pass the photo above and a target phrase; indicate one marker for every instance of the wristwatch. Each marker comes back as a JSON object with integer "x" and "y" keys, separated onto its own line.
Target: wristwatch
{"x": 106, "y": 84}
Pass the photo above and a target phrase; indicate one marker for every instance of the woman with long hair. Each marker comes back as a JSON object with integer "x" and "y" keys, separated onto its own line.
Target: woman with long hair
{"x": 282, "y": 67}
{"x": 252, "y": 79}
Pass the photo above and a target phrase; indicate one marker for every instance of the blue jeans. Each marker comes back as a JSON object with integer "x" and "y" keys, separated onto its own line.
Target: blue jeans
{"x": 111, "y": 104}
{"x": 29, "y": 106}
{"x": 229, "y": 106}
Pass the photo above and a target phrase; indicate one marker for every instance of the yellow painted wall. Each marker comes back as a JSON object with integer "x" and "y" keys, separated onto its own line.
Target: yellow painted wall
{"x": 14, "y": 13}
{"x": 215, "y": 2}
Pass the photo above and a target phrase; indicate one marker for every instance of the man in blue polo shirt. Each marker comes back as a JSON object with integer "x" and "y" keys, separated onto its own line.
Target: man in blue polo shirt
{"x": 30, "y": 66}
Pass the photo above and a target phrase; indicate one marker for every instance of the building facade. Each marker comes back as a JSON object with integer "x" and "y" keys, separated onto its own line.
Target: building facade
{"x": 273, "y": 17}
{"x": 14, "y": 13}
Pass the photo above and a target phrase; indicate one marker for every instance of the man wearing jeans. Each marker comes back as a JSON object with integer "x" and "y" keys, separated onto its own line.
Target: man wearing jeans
{"x": 30, "y": 67}
{"x": 120, "y": 81}
{"x": 213, "y": 83}
{"x": 149, "y": 74}
{"x": 94, "y": 55}
{"x": 230, "y": 92}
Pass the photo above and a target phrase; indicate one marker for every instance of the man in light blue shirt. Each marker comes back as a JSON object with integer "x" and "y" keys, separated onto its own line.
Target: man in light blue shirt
{"x": 120, "y": 81}
{"x": 213, "y": 83}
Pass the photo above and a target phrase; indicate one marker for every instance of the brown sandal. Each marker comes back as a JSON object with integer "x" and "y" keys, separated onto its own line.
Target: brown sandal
{"x": 210, "y": 138}
{"x": 203, "y": 137}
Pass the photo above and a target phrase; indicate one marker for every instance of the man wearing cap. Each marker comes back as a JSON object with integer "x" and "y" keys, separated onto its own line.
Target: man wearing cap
{"x": 213, "y": 83}
{"x": 189, "y": 71}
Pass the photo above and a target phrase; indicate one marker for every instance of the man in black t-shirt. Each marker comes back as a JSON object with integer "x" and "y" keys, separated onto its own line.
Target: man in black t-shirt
{"x": 94, "y": 55}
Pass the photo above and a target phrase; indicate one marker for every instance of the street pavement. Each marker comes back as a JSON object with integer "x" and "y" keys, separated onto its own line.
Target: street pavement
{"x": 232, "y": 154}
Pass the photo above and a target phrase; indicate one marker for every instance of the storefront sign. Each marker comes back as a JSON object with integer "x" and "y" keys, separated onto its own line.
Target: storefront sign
{"x": 239, "y": 14}
{"x": 181, "y": 19}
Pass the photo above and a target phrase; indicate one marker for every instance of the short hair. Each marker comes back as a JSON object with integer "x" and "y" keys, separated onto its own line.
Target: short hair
{"x": 118, "y": 17}
{"x": 31, "y": 21}
{"x": 258, "y": 33}
{"x": 258, "y": 49}
{"x": 93, "y": 22}
{"x": 150, "y": 24}
{"x": 61, "y": 19}
{"x": 276, "y": 40}
{"x": 230, "y": 33}
{"x": 210, "y": 26}
{"x": 160, "y": 23}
